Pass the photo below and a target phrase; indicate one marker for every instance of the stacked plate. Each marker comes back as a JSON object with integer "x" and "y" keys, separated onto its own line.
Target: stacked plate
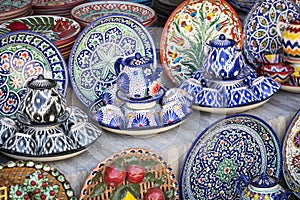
{"x": 54, "y": 7}
{"x": 85, "y": 13}
{"x": 60, "y": 30}
{"x": 14, "y": 9}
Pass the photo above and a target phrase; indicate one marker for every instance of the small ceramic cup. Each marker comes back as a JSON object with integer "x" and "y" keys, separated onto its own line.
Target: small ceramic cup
{"x": 8, "y": 128}
{"x": 280, "y": 72}
{"x": 241, "y": 96}
{"x": 139, "y": 115}
{"x": 173, "y": 112}
{"x": 110, "y": 116}
{"x": 76, "y": 115}
{"x": 210, "y": 97}
{"x": 56, "y": 143}
{"x": 180, "y": 95}
{"x": 191, "y": 86}
{"x": 264, "y": 87}
{"x": 224, "y": 87}
{"x": 84, "y": 133}
{"x": 21, "y": 143}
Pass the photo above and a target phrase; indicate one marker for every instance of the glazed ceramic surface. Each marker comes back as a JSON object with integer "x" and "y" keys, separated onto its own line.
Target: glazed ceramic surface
{"x": 23, "y": 56}
{"x": 260, "y": 27}
{"x": 188, "y": 30}
{"x": 158, "y": 173}
{"x": 91, "y": 64}
{"x": 243, "y": 5}
{"x": 291, "y": 155}
{"x": 91, "y": 11}
{"x": 57, "y": 29}
{"x": 12, "y": 7}
{"x": 44, "y": 4}
{"x": 226, "y": 149}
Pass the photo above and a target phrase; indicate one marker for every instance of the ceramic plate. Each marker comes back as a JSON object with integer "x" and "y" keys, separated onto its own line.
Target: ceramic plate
{"x": 11, "y": 8}
{"x": 191, "y": 25}
{"x": 91, "y": 11}
{"x": 290, "y": 88}
{"x": 260, "y": 27}
{"x": 59, "y": 30}
{"x": 24, "y": 55}
{"x": 91, "y": 63}
{"x": 158, "y": 173}
{"x": 232, "y": 110}
{"x": 231, "y": 146}
{"x": 22, "y": 173}
{"x": 291, "y": 155}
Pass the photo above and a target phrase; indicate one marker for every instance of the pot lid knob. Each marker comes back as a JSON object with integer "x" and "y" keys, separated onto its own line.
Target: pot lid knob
{"x": 264, "y": 181}
{"x": 222, "y": 42}
{"x": 41, "y": 83}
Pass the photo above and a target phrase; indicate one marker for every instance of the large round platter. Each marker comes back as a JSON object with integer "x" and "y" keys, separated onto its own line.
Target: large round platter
{"x": 91, "y": 63}
{"x": 59, "y": 30}
{"x": 190, "y": 26}
{"x": 158, "y": 174}
{"x": 260, "y": 27}
{"x": 229, "y": 110}
{"x": 229, "y": 147}
{"x": 20, "y": 173}
{"x": 91, "y": 11}
{"x": 291, "y": 155}
{"x": 25, "y": 55}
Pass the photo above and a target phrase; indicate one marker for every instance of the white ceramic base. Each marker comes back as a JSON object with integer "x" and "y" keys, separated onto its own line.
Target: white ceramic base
{"x": 141, "y": 132}
{"x": 232, "y": 110}
{"x": 290, "y": 88}
{"x": 48, "y": 158}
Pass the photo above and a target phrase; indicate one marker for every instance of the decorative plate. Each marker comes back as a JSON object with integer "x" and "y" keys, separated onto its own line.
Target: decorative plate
{"x": 146, "y": 172}
{"x": 59, "y": 30}
{"x": 260, "y": 27}
{"x": 291, "y": 155}
{"x": 91, "y": 11}
{"x": 33, "y": 180}
{"x": 221, "y": 153}
{"x": 55, "y": 4}
{"x": 100, "y": 44}
{"x": 13, "y": 7}
{"x": 191, "y": 25}
{"x": 25, "y": 55}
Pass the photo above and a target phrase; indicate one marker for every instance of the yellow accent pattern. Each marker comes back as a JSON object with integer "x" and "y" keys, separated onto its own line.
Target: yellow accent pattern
{"x": 3, "y": 193}
{"x": 129, "y": 196}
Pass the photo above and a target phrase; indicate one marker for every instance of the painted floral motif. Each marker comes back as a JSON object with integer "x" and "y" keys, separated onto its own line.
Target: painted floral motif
{"x": 260, "y": 27}
{"x": 140, "y": 121}
{"x": 29, "y": 56}
{"x": 187, "y": 31}
{"x": 221, "y": 153}
{"x": 92, "y": 63}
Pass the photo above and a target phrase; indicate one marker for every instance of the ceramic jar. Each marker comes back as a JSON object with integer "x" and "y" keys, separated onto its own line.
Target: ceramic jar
{"x": 223, "y": 60}
{"x": 42, "y": 102}
{"x": 290, "y": 37}
{"x": 138, "y": 78}
{"x": 262, "y": 187}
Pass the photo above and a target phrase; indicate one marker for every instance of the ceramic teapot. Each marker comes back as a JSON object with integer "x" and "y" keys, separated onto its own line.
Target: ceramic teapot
{"x": 223, "y": 60}
{"x": 138, "y": 78}
{"x": 290, "y": 37}
{"x": 262, "y": 187}
{"x": 42, "y": 102}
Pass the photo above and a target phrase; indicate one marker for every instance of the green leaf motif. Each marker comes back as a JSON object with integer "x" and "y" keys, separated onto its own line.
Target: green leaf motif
{"x": 97, "y": 177}
{"x": 98, "y": 190}
{"x": 149, "y": 177}
{"x": 169, "y": 194}
{"x": 119, "y": 192}
{"x": 160, "y": 180}
{"x": 134, "y": 189}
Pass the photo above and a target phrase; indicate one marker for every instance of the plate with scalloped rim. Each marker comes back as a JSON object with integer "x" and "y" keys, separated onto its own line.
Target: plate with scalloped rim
{"x": 100, "y": 44}
{"x": 230, "y": 146}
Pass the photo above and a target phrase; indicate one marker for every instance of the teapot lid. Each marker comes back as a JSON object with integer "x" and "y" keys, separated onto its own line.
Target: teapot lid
{"x": 222, "y": 42}
{"x": 41, "y": 83}
{"x": 138, "y": 60}
{"x": 264, "y": 181}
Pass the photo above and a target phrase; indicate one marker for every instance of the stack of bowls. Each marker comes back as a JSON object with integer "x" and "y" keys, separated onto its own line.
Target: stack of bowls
{"x": 54, "y": 7}
{"x": 85, "y": 13}
{"x": 13, "y": 9}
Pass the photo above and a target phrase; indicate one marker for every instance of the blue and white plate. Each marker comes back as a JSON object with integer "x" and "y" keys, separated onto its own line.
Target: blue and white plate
{"x": 229, "y": 147}
{"x": 100, "y": 44}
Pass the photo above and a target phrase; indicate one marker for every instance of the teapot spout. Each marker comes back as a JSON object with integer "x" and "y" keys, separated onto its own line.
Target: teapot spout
{"x": 156, "y": 73}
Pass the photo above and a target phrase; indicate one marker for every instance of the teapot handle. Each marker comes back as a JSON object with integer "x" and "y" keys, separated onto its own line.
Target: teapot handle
{"x": 241, "y": 179}
{"x": 279, "y": 26}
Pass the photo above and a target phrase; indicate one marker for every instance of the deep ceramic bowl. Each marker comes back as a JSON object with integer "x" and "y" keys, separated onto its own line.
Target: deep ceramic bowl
{"x": 210, "y": 97}
{"x": 264, "y": 87}
{"x": 191, "y": 86}
{"x": 174, "y": 111}
{"x": 241, "y": 96}
{"x": 280, "y": 72}
{"x": 179, "y": 95}
{"x": 8, "y": 128}
{"x": 111, "y": 116}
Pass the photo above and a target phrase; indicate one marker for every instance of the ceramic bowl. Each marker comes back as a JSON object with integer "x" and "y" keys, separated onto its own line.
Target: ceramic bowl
{"x": 174, "y": 111}
{"x": 191, "y": 86}
{"x": 179, "y": 95}
{"x": 280, "y": 72}
{"x": 76, "y": 115}
{"x": 295, "y": 78}
{"x": 8, "y": 128}
{"x": 264, "y": 87}
{"x": 241, "y": 96}
{"x": 142, "y": 115}
{"x": 111, "y": 116}
{"x": 56, "y": 143}
{"x": 209, "y": 97}
{"x": 21, "y": 143}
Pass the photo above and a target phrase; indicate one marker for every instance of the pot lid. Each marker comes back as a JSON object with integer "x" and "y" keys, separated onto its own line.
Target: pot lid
{"x": 41, "y": 83}
{"x": 138, "y": 60}
{"x": 264, "y": 181}
{"x": 222, "y": 42}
